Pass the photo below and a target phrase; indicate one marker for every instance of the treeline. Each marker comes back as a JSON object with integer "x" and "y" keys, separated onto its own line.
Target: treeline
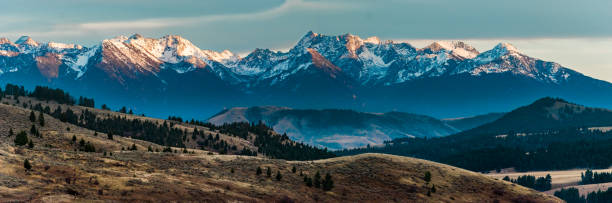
{"x": 539, "y": 184}
{"x": 542, "y": 150}
{"x": 267, "y": 142}
{"x": 572, "y": 195}
{"x": 590, "y": 177}
{"x": 271, "y": 144}
{"x": 46, "y": 94}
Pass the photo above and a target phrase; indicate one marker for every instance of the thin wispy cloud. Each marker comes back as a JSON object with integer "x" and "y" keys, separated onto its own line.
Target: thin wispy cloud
{"x": 160, "y": 23}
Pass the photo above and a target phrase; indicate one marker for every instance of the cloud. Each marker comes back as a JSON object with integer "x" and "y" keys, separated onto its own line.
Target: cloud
{"x": 159, "y": 23}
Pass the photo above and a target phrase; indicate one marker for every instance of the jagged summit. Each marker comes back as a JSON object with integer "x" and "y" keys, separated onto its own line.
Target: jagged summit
{"x": 5, "y": 40}
{"x": 26, "y": 40}
{"x": 506, "y": 47}
{"x": 457, "y": 48}
{"x": 320, "y": 71}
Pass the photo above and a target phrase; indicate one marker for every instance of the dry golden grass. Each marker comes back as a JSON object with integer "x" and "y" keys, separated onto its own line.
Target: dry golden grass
{"x": 61, "y": 174}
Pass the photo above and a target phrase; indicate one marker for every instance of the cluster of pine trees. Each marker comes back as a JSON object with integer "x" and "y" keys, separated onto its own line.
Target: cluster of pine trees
{"x": 590, "y": 177}
{"x": 544, "y": 150}
{"x": 325, "y": 184}
{"x": 86, "y": 102}
{"x": 268, "y": 142}
{"x": 572, "y": 195}
{"x": 540, "y": 183}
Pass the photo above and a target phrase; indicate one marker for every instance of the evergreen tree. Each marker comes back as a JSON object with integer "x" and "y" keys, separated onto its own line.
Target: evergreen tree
{"x": 33, "y": 130}
{"x": 110, "y": 136}
{"x": 74, "y": 139}
{"x": 328, "y": 183}
{"x": 30, "y": 144}
{"x": 27, "y": 165}
{"x": 269, "y": 172}
{"x": 308, "y": 181}
{"x": 232, "y": 170}
{"x": 41, "y": 119}
{"x": 258, "y": 171}
{"x": 150, "y": 149}
{"x": 11, "y": 132}
{"x": 21, "y": 138}
{"x": 506, "y": 178}
{"x": 427, "y": 177}
{"x": 32, "y": 116}
{"x": 133, "y": 147}
{"x": 278, "y": 176}
{"x": 433, "y": 189}
{"x": 293, "y": 170}
{"x": 123, "y": 110}
{"x": 317, "y": 180}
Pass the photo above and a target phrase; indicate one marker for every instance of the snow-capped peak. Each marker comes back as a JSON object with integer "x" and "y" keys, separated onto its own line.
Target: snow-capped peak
{"x": 4, "y": 40}
{"x": 60, "y": 46}
{"x": 373, "y": 40}
{"x": 26, "y": 40}
{"x": 507, "y": 47}
{"x": 456, "y": 48}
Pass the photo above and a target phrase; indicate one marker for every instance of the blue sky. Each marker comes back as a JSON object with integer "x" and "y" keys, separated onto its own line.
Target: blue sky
{"x": 577, "y": 34}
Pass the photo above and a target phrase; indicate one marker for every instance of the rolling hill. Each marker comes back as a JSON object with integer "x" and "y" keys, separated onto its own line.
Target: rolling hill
{"x": 128, "y": 169}
{"x": 338, "y": 129}
{"x": 548, "y": 134}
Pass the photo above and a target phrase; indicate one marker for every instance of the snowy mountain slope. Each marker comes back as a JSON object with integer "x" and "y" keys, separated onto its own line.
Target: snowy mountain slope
{"x": 444, "y": 79}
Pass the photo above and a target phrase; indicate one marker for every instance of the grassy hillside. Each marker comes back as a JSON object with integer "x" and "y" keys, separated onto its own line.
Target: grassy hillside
{"x": 62, "y": 171}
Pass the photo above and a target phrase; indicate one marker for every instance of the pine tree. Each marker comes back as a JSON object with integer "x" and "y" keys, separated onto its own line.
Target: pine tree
{"x": 110, "y": 136}
{"x": 21, "y": 139}
{"x": 11, "y": 132}
{"x": 433, "y": 189}
{"x": 232, "y": 170}
{"x": 133, "y": 147}
{"x": 427, "y": 177}
{"x": 293, "y": 169}
{"x": 269, "y": 172}
{"x": 317, "y": 180}
{"x": 308, "y": 181}
{"x": 258, "y": 171}
{"x": 150, "y": 149}
{"x": 184, "y": 150}
{"x": 32, "y": 116}
{"x": 278, "y": 176}
{"x": 27, "y": 165}
{"x": 30, "y": 144}
{"x": 74, "y": 139}
{"x": 41, "y": 119}
{"x": 328, "y": 183}
{"x": 33, "y": 130}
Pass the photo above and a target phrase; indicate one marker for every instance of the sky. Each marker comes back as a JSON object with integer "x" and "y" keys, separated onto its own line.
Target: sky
{"x": 576, "y": 34}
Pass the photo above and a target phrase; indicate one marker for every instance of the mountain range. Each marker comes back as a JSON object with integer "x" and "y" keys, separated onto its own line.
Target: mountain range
{"x": 341, "y": 129}
{"x": 444, "y": 79}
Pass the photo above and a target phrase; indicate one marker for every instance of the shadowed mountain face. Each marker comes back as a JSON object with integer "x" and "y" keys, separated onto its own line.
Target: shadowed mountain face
{"x": 545, "y": 114}
{"x": 339, "y": 129}
{"x": 171, "y": 76}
